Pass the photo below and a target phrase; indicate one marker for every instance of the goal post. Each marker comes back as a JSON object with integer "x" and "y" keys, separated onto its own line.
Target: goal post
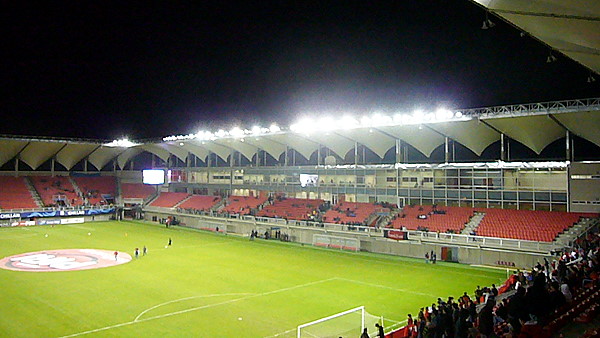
{"x": 349, "y": 323}
{"x": 336, "y": 242}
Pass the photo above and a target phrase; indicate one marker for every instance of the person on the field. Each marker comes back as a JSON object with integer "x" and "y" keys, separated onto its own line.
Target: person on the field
{"x": 137, "y": 252}
{"x": 365, "y": 334}
{"x": 116, "y": 254}
{"x": 144, "y": 251}
{"x": 170, "y": 241}
{"x": 380, "y": 332}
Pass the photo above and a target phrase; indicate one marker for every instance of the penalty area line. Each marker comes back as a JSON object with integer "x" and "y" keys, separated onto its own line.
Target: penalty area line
{"x": 197, "y": 308}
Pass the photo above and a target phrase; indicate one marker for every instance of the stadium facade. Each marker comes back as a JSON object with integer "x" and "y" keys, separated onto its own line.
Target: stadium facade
{"x": 414, "y": 158}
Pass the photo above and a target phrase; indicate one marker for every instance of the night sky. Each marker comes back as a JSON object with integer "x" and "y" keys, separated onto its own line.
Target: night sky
{"x": 103, "y": 70}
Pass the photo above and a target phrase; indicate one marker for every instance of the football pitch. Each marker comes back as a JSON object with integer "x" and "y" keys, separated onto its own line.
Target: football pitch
{"x": 209, "y": 285}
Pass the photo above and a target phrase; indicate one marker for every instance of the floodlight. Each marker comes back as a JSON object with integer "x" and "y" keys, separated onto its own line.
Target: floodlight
{"x": 443, "y": 114}
{"x": 221, "y": 133}
{"x": 365, "y": 121}
{"x": 255, "y": 130}
{"x": 458, "y": 114}
{"x": 180, "y": 143}
{"x": 124, "y": 143}
{"x": 274, "y": 128}
{"x": 236, "y": 132}
{"x": 326, "y": 123}
{"x": 348, "y": 122}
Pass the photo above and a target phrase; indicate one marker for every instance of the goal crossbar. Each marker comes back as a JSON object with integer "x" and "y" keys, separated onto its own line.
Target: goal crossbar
{"x": 360, "y": 308}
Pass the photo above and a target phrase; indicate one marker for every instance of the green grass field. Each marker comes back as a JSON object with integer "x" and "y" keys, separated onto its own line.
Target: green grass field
{"x": 209, "y": 284}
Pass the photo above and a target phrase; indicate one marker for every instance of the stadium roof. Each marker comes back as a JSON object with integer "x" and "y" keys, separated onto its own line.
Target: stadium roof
{"x": 568, "y": 26}
{"x": 534, "y": 125}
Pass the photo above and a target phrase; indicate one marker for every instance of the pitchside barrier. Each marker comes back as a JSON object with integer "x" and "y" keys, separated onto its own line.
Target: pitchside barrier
{"x": 475, "y": 250}
{"x": 350, "y": 323}
{"x": 336, "y": 242}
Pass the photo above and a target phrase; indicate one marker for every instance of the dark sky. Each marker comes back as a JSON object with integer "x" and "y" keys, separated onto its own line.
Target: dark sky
{"x": 97, "y": 69}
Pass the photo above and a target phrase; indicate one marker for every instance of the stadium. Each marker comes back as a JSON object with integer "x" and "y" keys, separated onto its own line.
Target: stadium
{"x": 320, "y": 228}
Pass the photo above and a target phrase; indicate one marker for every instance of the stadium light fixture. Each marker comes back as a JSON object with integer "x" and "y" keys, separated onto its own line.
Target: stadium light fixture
{"x": 443, "y": 114}
{"x": 123, "y": 143}
{"x": 348, "y": 122}
{"x": 418, "y": 115}
{"x": 255, "y": 130}
{"x": 274, "y": 128}
{"x": 590, "y": 78}
{"x": 487, "y": 23}
{"x": 236, "y": 132}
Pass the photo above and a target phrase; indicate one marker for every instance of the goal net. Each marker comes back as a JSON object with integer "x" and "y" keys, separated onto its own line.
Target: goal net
{"x": 350, "y": 323}
{"x": 336, "y": 242}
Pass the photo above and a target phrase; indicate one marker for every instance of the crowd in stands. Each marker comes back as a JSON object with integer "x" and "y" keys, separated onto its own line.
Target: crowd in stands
{"x": 531, "y": 303}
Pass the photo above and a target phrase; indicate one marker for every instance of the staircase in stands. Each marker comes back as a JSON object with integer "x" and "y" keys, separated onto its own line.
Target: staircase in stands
{"x": 473, "y": 223}
{"x": 182, "y": 201}
{"x": 576, "y": 230}
{"x": 75, "y": 186}
{"x": 36, "y": 196}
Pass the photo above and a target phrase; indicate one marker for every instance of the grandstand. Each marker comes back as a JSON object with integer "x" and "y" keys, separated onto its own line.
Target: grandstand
{"x": 96, "y": 189}
{"x": 15, "y": 194}
{"x": 350, "y": 213}
{"x": 169, "y": 199}
{"x": 529, "y": 225}
{"x": 292, "y": 208}
{"x": 500, "y": 187}
{"x": 433, "y": 218}
{"x": 200, "y": 202}
{"x": 56, "y": 190}
{"x": 136, "y": 190}
{"x": 242, "y": 205}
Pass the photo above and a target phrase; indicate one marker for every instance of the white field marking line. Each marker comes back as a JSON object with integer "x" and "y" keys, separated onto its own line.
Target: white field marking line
{"x": 384, "y": 287}
{"x": 193, "y": 246}
{"x": 291, "y": 330}
{"x": 188, "y": 298}
{"x": 281, "y": 333}
{"x": 493, "y": 267}
{"x": 197, "y": 308}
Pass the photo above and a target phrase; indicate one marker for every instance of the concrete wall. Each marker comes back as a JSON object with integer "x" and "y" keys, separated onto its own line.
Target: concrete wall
{"x": 371, "y": 242}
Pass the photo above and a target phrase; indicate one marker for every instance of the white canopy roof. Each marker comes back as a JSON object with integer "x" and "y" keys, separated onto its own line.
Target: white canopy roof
{"x": 533, "y": 125}
{"x": 568, "y": 26}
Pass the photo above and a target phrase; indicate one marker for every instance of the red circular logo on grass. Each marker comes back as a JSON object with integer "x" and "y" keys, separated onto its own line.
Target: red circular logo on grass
{"x": 64, "y": 260}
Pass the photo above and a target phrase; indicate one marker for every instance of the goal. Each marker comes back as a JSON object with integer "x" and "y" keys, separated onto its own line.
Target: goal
{"x": 336, "y": 242}
{"x": 349, "y": 323}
